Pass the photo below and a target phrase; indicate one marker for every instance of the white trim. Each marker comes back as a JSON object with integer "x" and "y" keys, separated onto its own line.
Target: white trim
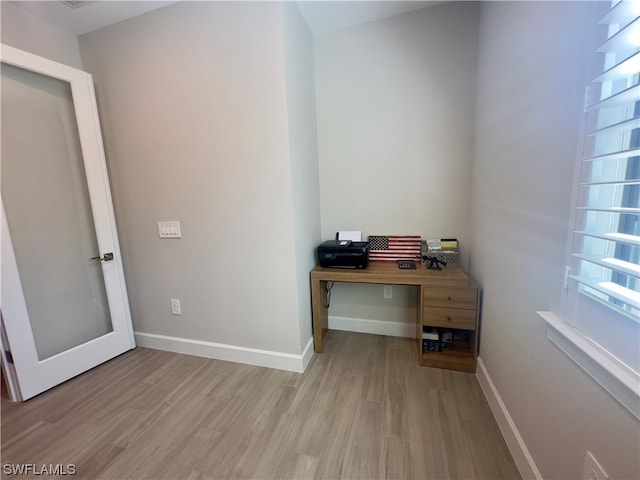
{"x": 376, "y": 327}
{"x": 519, "y": 451}
{"x": 620, "y": 381}
{"x": 230, "y": 353}
{"x": 307, "y": 354}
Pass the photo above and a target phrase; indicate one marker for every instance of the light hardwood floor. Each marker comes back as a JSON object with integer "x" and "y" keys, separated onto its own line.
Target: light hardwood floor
{"x": 364, "y": 409}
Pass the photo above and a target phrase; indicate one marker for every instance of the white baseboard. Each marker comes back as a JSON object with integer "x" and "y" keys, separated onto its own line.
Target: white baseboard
{"x": 377, "y": 327}
{"x": 515, "y": 443}
{"x": 231, "y": 353}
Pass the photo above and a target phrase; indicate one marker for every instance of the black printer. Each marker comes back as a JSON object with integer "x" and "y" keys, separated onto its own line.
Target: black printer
{"x": 343, "y": 254}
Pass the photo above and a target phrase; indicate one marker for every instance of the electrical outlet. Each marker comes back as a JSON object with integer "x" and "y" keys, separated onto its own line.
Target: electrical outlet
{"x": 175, "y": 307}
{"x": 388, "y": 291}
{"x": 592, "y": 469}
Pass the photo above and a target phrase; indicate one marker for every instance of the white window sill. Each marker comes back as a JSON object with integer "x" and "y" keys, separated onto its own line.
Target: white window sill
{"x": 621, "y": 382}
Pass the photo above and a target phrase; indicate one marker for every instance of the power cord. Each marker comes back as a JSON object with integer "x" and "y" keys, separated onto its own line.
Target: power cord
{"x": 328, "y": 286}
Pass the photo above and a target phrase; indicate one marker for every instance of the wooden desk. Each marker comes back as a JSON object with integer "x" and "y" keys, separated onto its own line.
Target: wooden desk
{"x": 448, "y": 299}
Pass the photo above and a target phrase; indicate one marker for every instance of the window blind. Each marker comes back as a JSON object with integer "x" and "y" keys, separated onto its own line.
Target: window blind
{"x": 605, "y": 257}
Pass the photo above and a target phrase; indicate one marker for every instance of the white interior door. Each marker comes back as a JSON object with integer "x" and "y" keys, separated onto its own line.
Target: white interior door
{"x": 63, "y": 296}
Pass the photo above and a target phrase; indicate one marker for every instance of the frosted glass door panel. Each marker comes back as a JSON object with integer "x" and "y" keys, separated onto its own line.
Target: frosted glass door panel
{"x": 46, "y": 200}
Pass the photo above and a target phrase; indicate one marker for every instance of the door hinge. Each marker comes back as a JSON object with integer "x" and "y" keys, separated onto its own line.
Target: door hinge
{"x": 8, "y": 355}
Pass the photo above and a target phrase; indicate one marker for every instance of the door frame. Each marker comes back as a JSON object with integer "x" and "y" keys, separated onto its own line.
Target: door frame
{"x": 19, "y": 334}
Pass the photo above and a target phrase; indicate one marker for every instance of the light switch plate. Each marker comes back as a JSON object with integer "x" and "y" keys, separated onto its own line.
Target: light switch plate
{"x": 169, "y": 229}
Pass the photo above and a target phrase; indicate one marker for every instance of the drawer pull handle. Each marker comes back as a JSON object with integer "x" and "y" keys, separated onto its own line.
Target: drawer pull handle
{"x": 449, "y": 298}
{"x": 449, "y": 319}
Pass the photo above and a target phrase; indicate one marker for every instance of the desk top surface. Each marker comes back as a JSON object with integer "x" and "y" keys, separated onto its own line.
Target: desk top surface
{"x": 389, "y": 273}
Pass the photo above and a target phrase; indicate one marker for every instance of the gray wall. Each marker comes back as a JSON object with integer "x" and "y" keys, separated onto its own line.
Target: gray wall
{"x": 195, "y": 118}
{"x": 532, "y": 61}
{"x": 395, "y": 102}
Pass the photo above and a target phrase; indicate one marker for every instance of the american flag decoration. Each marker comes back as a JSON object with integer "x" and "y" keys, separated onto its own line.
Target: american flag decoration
{"x": 394, "y": 247}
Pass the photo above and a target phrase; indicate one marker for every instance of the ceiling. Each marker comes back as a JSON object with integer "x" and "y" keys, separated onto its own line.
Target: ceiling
{"x": 327, "y": 16}
{"x": 90, "y": 15}
{"x": 321, "y": 16}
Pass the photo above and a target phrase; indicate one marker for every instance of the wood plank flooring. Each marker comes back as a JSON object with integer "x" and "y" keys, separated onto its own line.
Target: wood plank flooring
{"x": 364, "y": 409}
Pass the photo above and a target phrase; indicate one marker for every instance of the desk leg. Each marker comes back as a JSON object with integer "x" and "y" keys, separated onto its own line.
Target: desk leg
{"x": 319, "y": 312}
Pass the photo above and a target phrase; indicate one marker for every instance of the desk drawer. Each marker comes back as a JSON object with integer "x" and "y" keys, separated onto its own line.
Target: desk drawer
{"x": 449, "y": 318}
{"x": 451, "y": 297}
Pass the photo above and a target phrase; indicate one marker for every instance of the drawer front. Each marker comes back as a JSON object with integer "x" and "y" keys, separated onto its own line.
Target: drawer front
{"x": 449, "y": 318}
{"x": 451, "y": 297}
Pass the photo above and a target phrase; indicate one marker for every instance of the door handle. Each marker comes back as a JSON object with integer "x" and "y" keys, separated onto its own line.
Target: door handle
{"x": 107, "y": 257}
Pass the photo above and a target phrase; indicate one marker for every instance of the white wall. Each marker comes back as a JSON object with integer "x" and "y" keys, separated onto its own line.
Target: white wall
{"x": 531, "y": 65}
{"x": 303, "y": 146}
{"x": 22, "y": 30}
{"x": 194, "y": 111}
{"x": 395, "y": 102}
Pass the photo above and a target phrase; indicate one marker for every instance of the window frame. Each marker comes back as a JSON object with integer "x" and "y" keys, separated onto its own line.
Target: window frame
{"x": 586, "y": 323}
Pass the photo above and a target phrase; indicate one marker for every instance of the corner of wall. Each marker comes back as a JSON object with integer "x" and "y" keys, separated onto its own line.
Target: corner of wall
{"x": 22, "y": 30}
{"x": 303, "y": 154}
{"x": 517, "y": 447}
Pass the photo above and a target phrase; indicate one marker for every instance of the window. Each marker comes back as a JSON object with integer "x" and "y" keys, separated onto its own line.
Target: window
{"x": 602, "y": 301}
{"x": 607, "y": 242}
